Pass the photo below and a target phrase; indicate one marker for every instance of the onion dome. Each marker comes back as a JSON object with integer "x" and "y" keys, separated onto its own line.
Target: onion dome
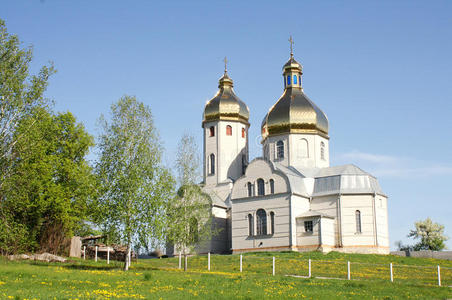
{"x": 225, "y": 105}
{"x": 294, "y": 112}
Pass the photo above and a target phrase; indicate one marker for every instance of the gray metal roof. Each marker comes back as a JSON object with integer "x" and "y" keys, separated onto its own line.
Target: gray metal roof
{"x": 313, "y": 213}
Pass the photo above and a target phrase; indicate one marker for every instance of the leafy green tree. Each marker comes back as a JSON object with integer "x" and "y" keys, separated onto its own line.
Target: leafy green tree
{"x": 20, "y": 93}
{"x": 134, "y": 185}
{"x": 431, "y": 235}
{"x": 51, "y": 185}
{"x": 189, "y": 213}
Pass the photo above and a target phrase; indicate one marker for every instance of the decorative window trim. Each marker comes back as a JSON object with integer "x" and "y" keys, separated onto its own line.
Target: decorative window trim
{"x": 260, "y": 187}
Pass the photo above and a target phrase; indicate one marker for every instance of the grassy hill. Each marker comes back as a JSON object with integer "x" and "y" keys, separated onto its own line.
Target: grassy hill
{"x": 414, "y": 278}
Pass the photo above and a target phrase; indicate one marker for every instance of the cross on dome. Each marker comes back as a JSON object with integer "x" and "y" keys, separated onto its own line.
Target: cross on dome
{"x": 291, "y": 46}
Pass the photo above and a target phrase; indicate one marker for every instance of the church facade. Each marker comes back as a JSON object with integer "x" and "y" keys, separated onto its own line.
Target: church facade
{"x": 290, "y": 198}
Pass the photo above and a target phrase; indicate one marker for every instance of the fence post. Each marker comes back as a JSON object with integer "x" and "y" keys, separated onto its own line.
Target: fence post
{"x": 84, "y": 252}
{"x": 348, "y": 270}
{"x": 240, "y": 263}
{"x": 439, "y": 276}
{"x": 208, "y": 261}
{"x": 186, "y": 262}
{"x": 95, "y": 255}
{"x": 180, "y": 260}
{"x": 108, "y": 255}
{"x": 390, "y": 270}
{"x": 273, "y": 266}
{"x": 309, "y": 274}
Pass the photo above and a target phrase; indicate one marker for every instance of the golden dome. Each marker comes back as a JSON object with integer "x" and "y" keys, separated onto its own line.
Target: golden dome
{"x": 225, "y": 105}
{"x": 294, "y": 112}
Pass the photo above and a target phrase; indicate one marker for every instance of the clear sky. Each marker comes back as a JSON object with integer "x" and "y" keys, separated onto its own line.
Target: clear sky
{"x": 380, "y": 70}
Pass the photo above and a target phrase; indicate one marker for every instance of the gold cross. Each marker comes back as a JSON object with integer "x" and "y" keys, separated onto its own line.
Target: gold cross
{"x": 291, "y": 46}
{"x": 225, "y": 64}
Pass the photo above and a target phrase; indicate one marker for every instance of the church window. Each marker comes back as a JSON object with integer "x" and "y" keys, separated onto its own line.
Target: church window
{"x": 212, "y": 164}
{"x": 212, "y": 131}
{"x": 261, "y": 222}
{"x": 288, "y": 79}
{"x": 295, "y": 79}
{"x": 243, "y": 132}
{"x": 260, "y": 187}
{"x": 250, "y": 189}
{"x": 250, "y": 225}
{"x": 299, "y": 79}
{"x": 285, "y": 82}
{"x": 308, "y": 226}
{"x": 194, "y": 233}
{"x": 322, "y": 150}
{"x": 358, "y": 221}
{"x": 272, "y": 223}
{"x": 272, "y": 186}
{"x": 228, "y": 130}
{"x": 280, "y": 150}
{"x": 303, "y": 150}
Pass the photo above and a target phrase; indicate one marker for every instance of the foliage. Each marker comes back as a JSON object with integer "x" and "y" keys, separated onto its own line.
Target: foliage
{"x": 20, "y": 93}
{"x": 134, "y": 186}
{"x": 431, "y": 235}
{"x": 189, "y": 212}
{"x": 50, "y": 184}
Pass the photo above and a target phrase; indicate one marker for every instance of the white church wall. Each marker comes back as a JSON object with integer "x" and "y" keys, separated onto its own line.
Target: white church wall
{"x": 270, "y": 142}
{"x": 349, "y": 205}
{"x": 328, "y": 232}
{"x": 304, "y": 150}
{"x": 306, "y": 239}
{"x": 299, "y": 205}
{"x": 258, "y": 169}
{"x": 381, "y": 208}
{"x": 210, "y": 147}
{"x": 241, "y": 208}
{"x": 328, "y": 205}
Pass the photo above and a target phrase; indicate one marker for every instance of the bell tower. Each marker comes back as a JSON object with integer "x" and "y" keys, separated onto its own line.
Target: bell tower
{"x": 225, "y": 125}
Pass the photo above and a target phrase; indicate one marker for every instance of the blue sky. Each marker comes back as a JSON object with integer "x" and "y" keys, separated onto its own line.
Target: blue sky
{"x": 381, "y": 70}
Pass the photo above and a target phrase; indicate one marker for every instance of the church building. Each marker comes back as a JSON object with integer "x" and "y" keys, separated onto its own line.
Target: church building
{"x": 290, "y": 198}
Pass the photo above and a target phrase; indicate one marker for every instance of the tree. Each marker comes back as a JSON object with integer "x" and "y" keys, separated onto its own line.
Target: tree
{"x": 134, "y": 186}
{"x": 51, "y": 185}
{"x": 20, "y": 94}
{"x": 431, "y": 235}
{"x": 189, "y": 212}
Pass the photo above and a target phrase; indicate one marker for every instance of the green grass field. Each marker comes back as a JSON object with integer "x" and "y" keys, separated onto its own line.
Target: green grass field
{"x": 414, "y": 278}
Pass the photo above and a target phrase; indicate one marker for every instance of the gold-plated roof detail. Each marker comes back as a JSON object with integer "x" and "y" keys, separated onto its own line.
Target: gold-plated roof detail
{"x": 294, "y": 112}
{"x": 225, "y": 105}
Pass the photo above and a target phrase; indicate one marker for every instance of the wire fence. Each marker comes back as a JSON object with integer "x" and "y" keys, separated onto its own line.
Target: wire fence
{"x": 335, "y": 269}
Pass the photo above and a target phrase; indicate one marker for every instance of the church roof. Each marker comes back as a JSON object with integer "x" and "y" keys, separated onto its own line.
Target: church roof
{"x": 313, "y": 213}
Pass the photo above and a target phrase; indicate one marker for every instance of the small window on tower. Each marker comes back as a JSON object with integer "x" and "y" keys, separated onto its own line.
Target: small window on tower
{"x": 228, "y": 130}
{"x": 280, "y": 150}
{"x": 299, "y": 79}
{"x": 288, "y": 80}
{"x": 295, "y": 79}
{"x": 322, "y": 150}
{"x": 243, "y": 132}
{"x": 212, "y": 131}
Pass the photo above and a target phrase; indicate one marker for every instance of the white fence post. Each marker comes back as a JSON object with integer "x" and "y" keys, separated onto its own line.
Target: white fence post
{"x": 439, "y": 276}
{"x": 208, "y": 261}
{"x": 240, "y": 263}
{"x": 390, "y": 270}
{"x": 348, "y": 270}
{"x": 84, "y": 252}
{"x": 273, "y": 266}
{"x": 95, "y": 255}
{"x": 309, "y": 273}
{"x": 108, "y": 255}
{"x": 180, "y": 260}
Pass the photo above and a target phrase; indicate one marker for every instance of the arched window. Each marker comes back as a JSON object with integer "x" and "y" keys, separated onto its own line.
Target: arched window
{"x": 288, "y": 79}
{"x": 272, "y": 222}
{"x": 272, "y": 186}
{"x": 228, "y": 130}
{"x": 280, "y": 149}
{"x": 303, "y": 150}
{"x": 358, "y": 221}
{"x": 194, "y": 233}
{"x": 295, "y": 79}
{"x": 243, "y": 132}
{"x": 250, "y": 189}
{"x": 261, "y": 222}
{"x": 212, "y": 164}
{"x": 212, "y": 131}
{"x": 299, "y": 79}
{"x": 250, "y": 225}
{"x": 260, "y": 187}
{"x": 322, "y": 150}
